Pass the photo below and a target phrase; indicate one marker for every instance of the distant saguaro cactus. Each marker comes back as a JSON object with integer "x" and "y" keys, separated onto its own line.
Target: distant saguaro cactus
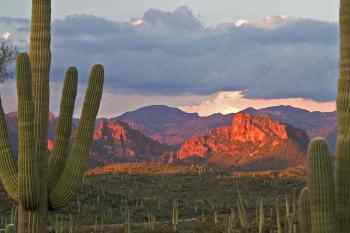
{"x": 43, "y": 181}
{"x": 304, "y": 215}
{"x": 329, "y": 196}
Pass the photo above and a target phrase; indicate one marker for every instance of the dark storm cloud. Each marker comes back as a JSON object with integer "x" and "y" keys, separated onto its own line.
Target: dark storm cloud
{"x": 172, "y": 53}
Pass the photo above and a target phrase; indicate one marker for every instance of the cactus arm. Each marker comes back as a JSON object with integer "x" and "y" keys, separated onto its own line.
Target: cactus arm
{"x": 28, "y": 176}
{"x": 8, "y": 164}
{"x": 304, "y": 214}
{"x": 76, "y": 163}
{"x": 321, "y": 187}
{"x": 64, "y": 127}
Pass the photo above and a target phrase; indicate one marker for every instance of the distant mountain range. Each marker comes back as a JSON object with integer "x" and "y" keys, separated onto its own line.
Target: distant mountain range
{"x": 269, "y": 138}
{"x": 173, "y": 126}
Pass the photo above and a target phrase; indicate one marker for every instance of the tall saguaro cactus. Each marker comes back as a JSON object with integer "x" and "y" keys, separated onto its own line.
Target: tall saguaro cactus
{"x": 40, "y": 181}
{"x": 330, "y": 197}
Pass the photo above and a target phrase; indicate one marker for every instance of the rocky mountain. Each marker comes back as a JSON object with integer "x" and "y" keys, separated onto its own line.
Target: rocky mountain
{"x": 251, "y": 142}
{"x": 115, "y": 141}
{"x": 253, "y": 139}
{"x": 173, "y": 126}
{"x": 314, "y": 123}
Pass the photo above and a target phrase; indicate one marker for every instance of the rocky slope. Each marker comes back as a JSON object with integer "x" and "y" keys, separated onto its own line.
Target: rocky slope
{"x": 250, "y": 142}
{"x": 115, "y": 141}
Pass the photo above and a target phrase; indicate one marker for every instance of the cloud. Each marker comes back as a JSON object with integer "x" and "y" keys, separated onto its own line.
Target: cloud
{"x": 173, "y": 54}
{"x": 182, "y": 19}
{"x": 112, "y": 104}
{"x": 229, "y": 102}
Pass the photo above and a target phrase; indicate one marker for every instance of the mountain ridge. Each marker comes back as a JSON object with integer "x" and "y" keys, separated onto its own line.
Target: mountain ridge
{"x": 176, "y": 132}
{"x": 116, "y": 141}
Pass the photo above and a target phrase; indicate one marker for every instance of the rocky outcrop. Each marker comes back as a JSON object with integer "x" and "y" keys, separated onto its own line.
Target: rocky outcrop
{"x": 251, "y": 142}
{"x": 115, "y": 141}
{"x": 256, "y": 129}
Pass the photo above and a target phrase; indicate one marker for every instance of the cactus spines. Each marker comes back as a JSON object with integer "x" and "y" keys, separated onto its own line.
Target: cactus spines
{"x": 304, "y": 215}
{"x": 41, "y": 179}
{"x": 343, "y": 123}
{"x": 76, "y": 164}
{"x": 321, "y": 187}
{"x": 342, "y": 182}
{"x": 28, "y": 177}
{"x": 325, "y": 176}
{"x": 8, "y": 164}
{"x": 344, "y": 20}
{"x": 64, "y": 127}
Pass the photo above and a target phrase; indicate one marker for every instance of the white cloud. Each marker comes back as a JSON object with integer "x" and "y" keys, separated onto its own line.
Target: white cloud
{"x": 6, "y": 35}
{"x": 229, "y": 102}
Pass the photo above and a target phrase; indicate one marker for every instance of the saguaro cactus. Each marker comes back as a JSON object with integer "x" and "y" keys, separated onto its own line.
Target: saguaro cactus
{"x": 43, "y": 181}
{"x": 304, "y": 215}
{"x": 321, "y": 186}
{"x": 331, "y": 205}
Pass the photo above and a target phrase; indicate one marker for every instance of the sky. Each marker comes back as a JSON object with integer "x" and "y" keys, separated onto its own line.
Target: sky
{"x": 184, "y": 53}
{"x": 209, "y": 11}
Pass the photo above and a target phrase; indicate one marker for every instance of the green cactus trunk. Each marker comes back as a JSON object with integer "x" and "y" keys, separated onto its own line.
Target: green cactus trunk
{"x": 40, "y": 57}
{"x": 343, "y": 117}
{"x": 330, "y": 206}
{"x": 30, "y": 184}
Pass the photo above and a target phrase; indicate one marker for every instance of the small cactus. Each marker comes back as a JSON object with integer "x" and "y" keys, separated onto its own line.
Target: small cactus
{"x": 11, "y": 228}
{"x": 304, "y": 211}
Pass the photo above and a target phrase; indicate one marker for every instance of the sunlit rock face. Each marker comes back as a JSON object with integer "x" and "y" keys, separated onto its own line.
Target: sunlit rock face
{"x": 50, "y": 144}
{"x": 256, "y": 129}
{"x": 115, "y": 141}
{"x": 251, "y": 142}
